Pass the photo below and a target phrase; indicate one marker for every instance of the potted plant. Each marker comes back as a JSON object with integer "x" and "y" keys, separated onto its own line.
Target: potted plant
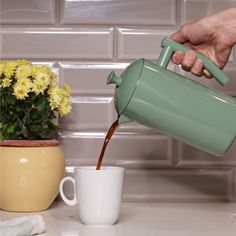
{"x": 31, "y": 160}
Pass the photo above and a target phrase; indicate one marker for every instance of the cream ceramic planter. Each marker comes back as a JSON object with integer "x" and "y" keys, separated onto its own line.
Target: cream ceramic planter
{"x": 30, "y": 173}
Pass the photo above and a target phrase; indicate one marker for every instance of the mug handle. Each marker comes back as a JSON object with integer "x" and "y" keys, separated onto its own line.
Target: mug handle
{"x": 169, "y": 47}
{"x": 65, "y": 199}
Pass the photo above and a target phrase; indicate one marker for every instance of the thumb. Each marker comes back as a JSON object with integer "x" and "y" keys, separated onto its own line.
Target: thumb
{"x": 179, "y": 36}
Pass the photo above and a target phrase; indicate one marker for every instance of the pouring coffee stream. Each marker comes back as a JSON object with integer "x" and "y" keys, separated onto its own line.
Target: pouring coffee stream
{"x": 109, "y": 134}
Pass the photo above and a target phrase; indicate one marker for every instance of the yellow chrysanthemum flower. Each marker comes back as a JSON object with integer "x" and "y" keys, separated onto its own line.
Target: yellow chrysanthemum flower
{"x": 55, "y": 96}
{"x": 23, "y": 71}
{"x": 40, "y": 82}
{"x": 42, "y": 78}
{"x": 25, "y": 82}
{"x": 53, "y": 80}
{"x": 22, "y": 62}
{"x": 6, "y": 82}
{"x": 39, "y": 69}
{"x": 25, "y": 79}
{"x": 35, "y": 69}
{"x": 38, "y": 87}
{"x": 9, "y": 69}
{"x": 66, "y": 90}
{"x": 20, "y": 91}
{"x": 65, "y": 107}
{"x": 53, "y": 104}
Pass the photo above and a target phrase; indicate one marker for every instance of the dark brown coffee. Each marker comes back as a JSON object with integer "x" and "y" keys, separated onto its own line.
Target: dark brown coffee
{"x": 110, "y": 132}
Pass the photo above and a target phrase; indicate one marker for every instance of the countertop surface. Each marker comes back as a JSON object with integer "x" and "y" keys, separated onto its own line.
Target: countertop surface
{"x": 148, "y": 219}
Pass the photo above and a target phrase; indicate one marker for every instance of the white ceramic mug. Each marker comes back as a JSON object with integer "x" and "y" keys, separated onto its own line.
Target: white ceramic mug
{"x": 98, "y": 193}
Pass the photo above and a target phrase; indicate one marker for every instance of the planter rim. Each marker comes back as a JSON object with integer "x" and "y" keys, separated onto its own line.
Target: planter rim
{"x": 30, "y": 143}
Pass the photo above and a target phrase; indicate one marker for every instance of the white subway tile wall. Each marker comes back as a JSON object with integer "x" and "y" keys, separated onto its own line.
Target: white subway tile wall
{"x": 190, "y": 156}
{"x": 84, "y": 114}
{"x": 28, "y": 12}
{"x": 84, "y": 41}
{"x": 180, "y": 184}
{"x": 194, "y": 9}
{"x": 134, "y": 12}
{"x": 88, "y": 78}
{"x": 135, "y": 43}
{"x": 57, "y": 43}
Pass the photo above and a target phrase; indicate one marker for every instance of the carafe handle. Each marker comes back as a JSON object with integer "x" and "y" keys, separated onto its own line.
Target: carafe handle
{"x": 170, "y": 47}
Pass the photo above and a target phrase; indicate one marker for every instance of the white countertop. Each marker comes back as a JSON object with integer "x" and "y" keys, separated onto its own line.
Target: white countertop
{"x": 145, "y": 219}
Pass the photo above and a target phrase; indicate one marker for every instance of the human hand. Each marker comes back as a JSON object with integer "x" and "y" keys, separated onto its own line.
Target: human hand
{"x": 212, "y": 36}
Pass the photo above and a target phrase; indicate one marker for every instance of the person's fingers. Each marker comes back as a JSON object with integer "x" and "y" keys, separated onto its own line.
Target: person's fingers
{"x": 197, "y": 68}
{"x": 207, "y": 74}
{"x": 178, "y": 57}
{"x": 189, "y": 60}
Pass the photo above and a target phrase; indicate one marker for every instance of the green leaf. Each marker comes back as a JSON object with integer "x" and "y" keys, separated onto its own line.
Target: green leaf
{"x": 52, "y": 126}
{"x": 12, "y": 100}
{"x": 10, "y": 129}
{"x": 42, "y": 105}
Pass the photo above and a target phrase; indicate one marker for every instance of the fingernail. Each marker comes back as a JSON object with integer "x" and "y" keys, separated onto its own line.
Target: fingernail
{"x": 206, "y": 73}
{"x": 179, "y": 53}
{"x": 199, "y": 64}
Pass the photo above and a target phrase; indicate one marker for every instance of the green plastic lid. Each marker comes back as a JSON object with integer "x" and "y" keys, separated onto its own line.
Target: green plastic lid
{"x": 126, "y": 84}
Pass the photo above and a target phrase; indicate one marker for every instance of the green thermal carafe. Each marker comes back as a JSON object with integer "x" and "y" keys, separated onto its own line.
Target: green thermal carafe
{"x": 156, "y": 97}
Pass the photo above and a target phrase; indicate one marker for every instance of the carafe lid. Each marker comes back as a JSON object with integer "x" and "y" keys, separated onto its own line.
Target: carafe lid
{"x": 125, "y": 84}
